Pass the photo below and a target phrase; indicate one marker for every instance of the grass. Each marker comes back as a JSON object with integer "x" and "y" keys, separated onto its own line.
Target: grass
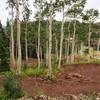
{"x": 34, "y": 71}
{"x": 83, "y": 59}
{"x": 39, "y": 72}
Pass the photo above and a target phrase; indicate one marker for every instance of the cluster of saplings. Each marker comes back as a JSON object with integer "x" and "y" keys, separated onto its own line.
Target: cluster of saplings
{"x": 51, "y": 42}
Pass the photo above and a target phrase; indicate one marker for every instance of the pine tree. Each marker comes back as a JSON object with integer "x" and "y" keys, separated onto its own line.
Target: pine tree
{"x": 4, "y": 49}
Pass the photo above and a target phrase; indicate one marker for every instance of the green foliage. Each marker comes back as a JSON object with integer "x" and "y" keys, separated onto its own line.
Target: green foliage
{"x": 55, "y": 72}
{"x": 2, "y": 95}
{"x": 42, "y": 72}
{"x": 90, "y": 15}
{"x": 12, "y": 86}
{"x": 86, "y": 51}
{"x": 4, "y": 50}
{"x": 92, "y": 96}
{"x": 35, "y": 71}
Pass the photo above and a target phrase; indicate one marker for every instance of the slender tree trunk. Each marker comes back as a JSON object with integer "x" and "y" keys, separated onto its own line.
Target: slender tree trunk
{"x": 66, "y": 44}
{"x": 41, "y": 59}
{"x": 47, "y": 54}
{"x": 50, "y": 40}
{"x": 61, "y": 41}
{"x": 56, "y": 48}
{"x": 68, "y": 47}
{"x": 81, "y": 47}
{"x": 89, "y": 42}
{"x": 18, "y": 39}
{"x": 98, "y": 45}
{"x": 12, "y": 60}
{"x": 47, "y": 44}
{"x": 76, "y": 45}
{"x": 26, "y": 46}
{"x": 75, "y": 51}
{"x": 73, "y": 43}
{"x": 38, "y": 47}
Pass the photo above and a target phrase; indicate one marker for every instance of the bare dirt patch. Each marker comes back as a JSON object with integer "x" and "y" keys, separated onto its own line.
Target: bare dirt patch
{"x": 73, "y": 79}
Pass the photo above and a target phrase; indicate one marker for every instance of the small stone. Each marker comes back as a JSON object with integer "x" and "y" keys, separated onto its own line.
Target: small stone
{"x": 97, "y": 98}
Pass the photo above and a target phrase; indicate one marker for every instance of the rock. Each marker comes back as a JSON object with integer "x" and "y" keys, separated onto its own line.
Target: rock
{"x": 61, "y": 98}
{"x": 25, "y": 98}
{"x": 65, "y": 97}
{"x": 70, "y": 97}
{"x": 53, "y": 99}
{"x": 97, "y": 98}
{"x": 42, "y": 97}
{"x": 76, "y": 76}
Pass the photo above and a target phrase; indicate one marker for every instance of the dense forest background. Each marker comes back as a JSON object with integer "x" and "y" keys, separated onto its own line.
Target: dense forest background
{"x": 53, "y": 43}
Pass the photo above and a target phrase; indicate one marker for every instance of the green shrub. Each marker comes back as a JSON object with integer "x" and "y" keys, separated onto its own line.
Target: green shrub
{"x": 2, "y": 95}
{"x": 93, "y": 95}
{"x": 34, "y": 71}
{"x": 12, "y": 86}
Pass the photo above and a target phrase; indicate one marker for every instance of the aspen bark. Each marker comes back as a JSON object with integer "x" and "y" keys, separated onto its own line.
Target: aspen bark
{"x": 50, "y": 41}
{"x": 68, "y": 47}
{"x": 89, "y": 42}
{"x": 61, "y": 41}
{"x": 73, "y": 43}
{"x": 38, "y": 46}
{"x": 12, "y": 60}
{"x": 56, "y": 48}
{"x": 46, "y": 56}
{"x": 41, "y": 54}
{"x": 26, "y": 45}
{"x": 18, "y": 39}
{"x": 82, "y": 47}
{"x": 98, "y": 45}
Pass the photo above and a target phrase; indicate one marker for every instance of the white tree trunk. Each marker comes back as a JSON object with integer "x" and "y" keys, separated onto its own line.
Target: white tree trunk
{"x": 89, "y": 42}
{"x": 73, "y": 43}
{"x": 68, "y": 47}
{"x": 12, "y": 60}
{"x": 41, "y": 59}
{"x": 26, "y": 46}
{"x": 38, "y": 47}
{"x": 18, "y": 39}
{"x": 61, "y": 41}
{"x": 47, "y": 53}
{"x": 46, "y": 56}
{"x": 98, "y": 45}
{"x": 82, "y": 45}
{"x": 66, "y": 44}
{"x": 50, "y": 41}
{"x": 56, "y": 48}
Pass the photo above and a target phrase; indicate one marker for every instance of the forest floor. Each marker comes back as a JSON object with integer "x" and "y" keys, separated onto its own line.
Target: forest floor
{"x": 73, "y": 79}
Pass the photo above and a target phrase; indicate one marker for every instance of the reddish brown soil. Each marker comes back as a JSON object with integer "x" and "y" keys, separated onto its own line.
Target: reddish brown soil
{"x": 89, "y": 82}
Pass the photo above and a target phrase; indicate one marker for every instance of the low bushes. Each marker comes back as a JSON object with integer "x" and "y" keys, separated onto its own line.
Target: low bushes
{"x": 35, "y": 71}
{"x": 11, "y": 87}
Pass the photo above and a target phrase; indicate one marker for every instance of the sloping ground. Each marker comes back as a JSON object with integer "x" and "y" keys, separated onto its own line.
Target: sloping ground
{"x": 73, "y": 79}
